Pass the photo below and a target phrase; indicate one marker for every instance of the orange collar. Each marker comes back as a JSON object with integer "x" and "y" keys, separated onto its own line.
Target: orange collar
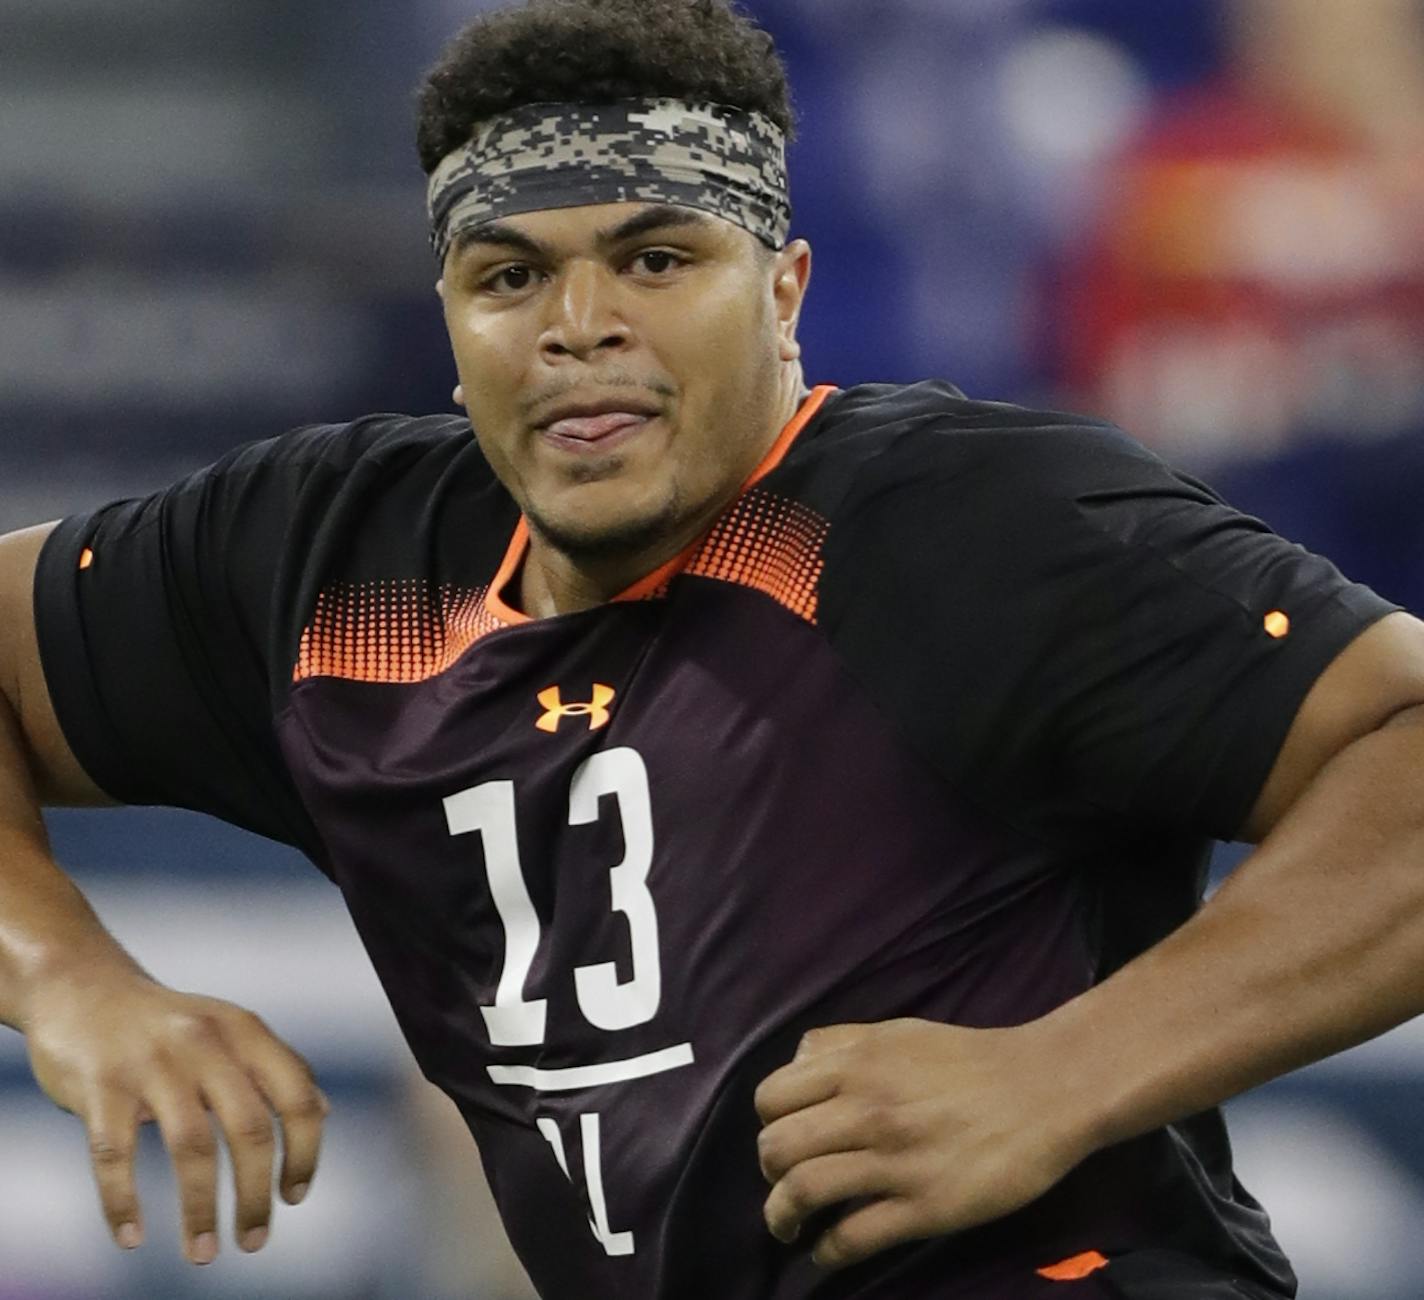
{"x": 664, "y": 573}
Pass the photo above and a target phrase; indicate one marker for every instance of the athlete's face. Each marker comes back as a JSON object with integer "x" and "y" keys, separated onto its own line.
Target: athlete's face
{"x": 625, "y": 366}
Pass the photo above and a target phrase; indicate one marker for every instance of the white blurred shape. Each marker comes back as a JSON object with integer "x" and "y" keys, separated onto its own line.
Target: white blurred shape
{"x": 53, "y": 9}
{"x": 1345, "y": 1211}
{"x": 341, "y": 1239}
{"x": 174, "y": 343}
{"x": 848, "y": 20}
{"x": 1400, "y": 1051}
{"x": 1070, "y": 97}
{"x": 142, "y": 142}
{"x": 52, "y": 1230}
{"x": 338, "y": 1241}
{"x": 1305, "y": 225}
{"x": 1201, "y": 393}
{"x": 908, "y": 142}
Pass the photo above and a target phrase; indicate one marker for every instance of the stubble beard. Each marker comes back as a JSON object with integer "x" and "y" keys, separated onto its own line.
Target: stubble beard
{"x": 603, "y": 544}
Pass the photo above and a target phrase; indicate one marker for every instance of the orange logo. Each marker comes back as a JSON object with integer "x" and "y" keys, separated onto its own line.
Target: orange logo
{"x": 555, "y": 710}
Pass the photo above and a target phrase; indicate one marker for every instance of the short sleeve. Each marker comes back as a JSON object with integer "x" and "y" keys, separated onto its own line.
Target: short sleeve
{"x": 156, "y": 630}
{"x": 1069, "y": 628}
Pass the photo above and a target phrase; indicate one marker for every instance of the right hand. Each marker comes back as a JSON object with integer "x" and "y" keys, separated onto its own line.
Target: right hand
{"x": 119, "y": 1050}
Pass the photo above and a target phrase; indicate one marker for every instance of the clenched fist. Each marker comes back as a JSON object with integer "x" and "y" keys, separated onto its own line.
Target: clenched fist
{"x": 922, "y": 1128}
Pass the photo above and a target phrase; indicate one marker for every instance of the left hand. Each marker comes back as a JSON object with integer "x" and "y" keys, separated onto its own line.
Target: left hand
{"x": 925, "y": 1128}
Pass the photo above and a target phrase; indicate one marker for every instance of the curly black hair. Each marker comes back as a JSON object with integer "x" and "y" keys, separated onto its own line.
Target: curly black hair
{"x": 598, "y": 51}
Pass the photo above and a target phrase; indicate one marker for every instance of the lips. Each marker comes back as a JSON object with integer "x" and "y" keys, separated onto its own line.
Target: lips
{"x": 590, "y": 428}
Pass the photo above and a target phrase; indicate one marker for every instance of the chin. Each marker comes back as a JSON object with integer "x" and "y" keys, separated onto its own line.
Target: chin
{"x": 608, "y": 539}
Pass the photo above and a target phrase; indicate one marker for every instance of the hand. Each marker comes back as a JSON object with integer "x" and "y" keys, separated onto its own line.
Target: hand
{"x": 924, "y": 1128}
{"x": 119, "y": 1050}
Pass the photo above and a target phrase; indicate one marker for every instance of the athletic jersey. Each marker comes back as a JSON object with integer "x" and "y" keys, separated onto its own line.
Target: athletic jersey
{"x": 935, "y": 721}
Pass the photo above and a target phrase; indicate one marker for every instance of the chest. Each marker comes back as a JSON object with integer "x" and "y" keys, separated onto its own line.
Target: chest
{"x": 648, "y": 826}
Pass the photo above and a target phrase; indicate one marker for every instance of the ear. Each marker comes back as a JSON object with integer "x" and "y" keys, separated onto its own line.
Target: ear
{"x": 792, "y": 276}
{"x": 459, "y": 394}
{"x": 440, "y": 289}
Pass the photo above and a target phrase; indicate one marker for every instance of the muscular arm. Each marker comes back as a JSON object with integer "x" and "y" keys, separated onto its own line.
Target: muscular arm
{"x": 44, "y": 920}
{"x": 1315, "y": 944}
{"x": 105, "y": 1041}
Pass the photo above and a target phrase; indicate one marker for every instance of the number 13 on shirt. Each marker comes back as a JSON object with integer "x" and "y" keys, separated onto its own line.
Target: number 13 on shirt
{"x": 488, "y": 810}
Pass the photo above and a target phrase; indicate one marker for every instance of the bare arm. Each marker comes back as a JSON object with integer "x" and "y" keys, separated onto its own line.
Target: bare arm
{"x": 1316, "y": 943}
{"x": 44, "y": 920}
{"x": 105, "y": 1040}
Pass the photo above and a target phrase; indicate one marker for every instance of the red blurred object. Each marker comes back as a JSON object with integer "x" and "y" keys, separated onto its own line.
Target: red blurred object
{"x": 1256, "y": 276}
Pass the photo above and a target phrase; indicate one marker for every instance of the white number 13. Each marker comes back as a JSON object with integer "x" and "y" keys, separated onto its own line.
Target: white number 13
{"x": 488, "y": 810}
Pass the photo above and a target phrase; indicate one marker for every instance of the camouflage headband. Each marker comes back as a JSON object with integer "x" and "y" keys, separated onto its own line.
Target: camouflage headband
{"x": 722, "y": 160}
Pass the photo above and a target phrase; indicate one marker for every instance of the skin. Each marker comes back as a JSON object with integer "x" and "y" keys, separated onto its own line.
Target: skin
{"x": 106, "y": 1041}
{"x": 1316, "y": 943}
{"x": 660, "y": 304}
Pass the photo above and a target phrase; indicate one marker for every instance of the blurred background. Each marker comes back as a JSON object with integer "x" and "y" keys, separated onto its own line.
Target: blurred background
{"x": 1201, "y": 218}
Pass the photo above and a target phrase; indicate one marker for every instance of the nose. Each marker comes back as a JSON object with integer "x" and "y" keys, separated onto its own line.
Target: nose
{"x": 583, "y": 315}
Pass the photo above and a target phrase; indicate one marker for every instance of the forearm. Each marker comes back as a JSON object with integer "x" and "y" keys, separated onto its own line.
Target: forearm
{"x": 45, "y": 922}
{"x": 1315, "y": 944}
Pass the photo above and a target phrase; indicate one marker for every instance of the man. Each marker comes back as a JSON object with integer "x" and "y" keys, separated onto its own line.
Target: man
{"x": 729, "y": 782}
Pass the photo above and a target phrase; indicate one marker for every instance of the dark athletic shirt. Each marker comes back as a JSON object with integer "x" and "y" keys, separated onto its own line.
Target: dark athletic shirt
{"x": 936, "y": 721}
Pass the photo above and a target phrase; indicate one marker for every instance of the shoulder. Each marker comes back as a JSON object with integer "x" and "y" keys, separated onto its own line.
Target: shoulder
{"x": 381, "y": 472}
{"x": 889, "y": 448}
{"x": 382, "y": 498}
{"x": 378, "y": 443}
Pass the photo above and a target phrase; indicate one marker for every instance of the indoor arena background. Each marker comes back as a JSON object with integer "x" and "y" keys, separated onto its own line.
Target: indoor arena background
{"x": 1205, "y": 220}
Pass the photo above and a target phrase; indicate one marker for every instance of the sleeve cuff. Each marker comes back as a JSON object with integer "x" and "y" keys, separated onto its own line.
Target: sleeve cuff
{"x": 1246, "y": 765}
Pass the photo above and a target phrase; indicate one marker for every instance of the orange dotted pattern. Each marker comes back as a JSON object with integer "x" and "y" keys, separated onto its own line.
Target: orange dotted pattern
{"x": 771, "y": 545}
{"x": 407, "y": 631}
{"x": 392, "y": 631}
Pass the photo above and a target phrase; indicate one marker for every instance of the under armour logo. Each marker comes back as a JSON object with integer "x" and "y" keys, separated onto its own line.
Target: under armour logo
{"x": 555, "y": 710}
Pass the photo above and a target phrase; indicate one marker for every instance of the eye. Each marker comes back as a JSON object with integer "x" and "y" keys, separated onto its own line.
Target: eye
{"x": 510, "y": 279}
{"x": 657, "y": 261}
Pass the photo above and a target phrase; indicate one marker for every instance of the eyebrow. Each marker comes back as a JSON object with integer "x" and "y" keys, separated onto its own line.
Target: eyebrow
{"x": 499, "y": 234}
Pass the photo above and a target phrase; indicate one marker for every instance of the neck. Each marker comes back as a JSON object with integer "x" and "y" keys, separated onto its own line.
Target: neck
{"x": 553, "y": 582}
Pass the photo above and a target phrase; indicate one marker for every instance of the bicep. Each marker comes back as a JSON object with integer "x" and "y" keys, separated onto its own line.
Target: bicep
{"x": 1377, "y": 676}
{"x": 58, "y": 774}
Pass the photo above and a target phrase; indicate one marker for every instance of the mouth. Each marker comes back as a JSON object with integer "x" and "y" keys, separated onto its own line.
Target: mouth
{"x": 590, "y": 430}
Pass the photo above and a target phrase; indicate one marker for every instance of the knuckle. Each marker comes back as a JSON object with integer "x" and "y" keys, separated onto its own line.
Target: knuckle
{"x": 307, "y": 1105}
{"x": 877, "y": 1119}
{"x": 199, "y": 1028}
{"x": 885, "y": 1125}
{"x": 250, "y": 1021}
{"x": 253, "y": 1130}
{"x": 835, "y": 1248}
{"x": 107, "y": 1153}
{"x": 797, "y": 1191}
{"x": 194, "y": 1144}
{"x": 780, "y": 1215}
